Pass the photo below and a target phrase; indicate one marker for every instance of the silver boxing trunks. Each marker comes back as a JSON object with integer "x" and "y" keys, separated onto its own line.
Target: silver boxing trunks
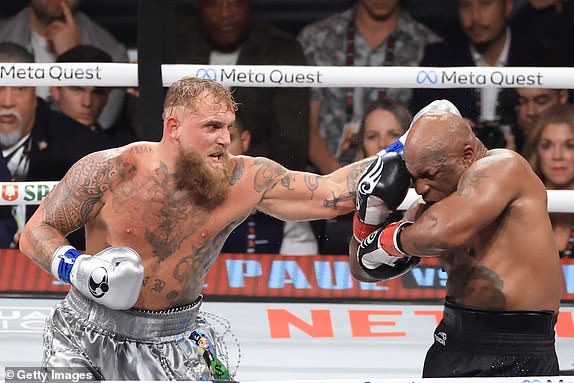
{"x": 174, "y": 344}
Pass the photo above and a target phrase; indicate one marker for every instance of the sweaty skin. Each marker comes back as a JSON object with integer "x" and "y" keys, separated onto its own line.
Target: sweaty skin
{"x": 484, "y": 214}
{"x": 129, "y": 196}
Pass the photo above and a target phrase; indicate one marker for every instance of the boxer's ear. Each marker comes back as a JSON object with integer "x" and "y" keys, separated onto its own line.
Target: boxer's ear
{"x": 172, "y": 126}
{"x": 468, "y": 155}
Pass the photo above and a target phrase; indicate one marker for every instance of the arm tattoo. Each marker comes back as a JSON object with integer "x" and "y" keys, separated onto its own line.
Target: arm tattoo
{"x": 335, "y": 200}
{"x": 356, "y": 171}
{"x": 312, "y": 182}
{"x": 270, "y": 174}
{"x": 355, "y": 174}
{"x": 73, "y": 199}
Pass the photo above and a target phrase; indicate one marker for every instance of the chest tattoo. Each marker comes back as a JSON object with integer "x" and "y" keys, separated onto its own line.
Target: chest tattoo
{"x": 196, "y": 265}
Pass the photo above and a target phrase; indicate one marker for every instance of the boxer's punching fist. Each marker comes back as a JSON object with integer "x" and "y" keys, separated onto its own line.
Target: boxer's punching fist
{"x": 113, "y": 277}
{"x": 381, "y": 189}
{"x": 380, "y": 254}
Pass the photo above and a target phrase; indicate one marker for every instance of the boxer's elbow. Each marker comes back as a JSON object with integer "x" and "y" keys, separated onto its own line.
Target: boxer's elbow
{"x": 25, "y": 244}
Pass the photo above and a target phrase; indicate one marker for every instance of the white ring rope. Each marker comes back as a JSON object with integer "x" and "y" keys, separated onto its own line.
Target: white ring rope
{"x": 125, "y": 75}
{"x": 32, "y": 193}
{"x": 559, "y": 201}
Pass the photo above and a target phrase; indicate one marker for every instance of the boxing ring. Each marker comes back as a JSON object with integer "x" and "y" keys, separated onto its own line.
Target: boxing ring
{"x": 289, "y": 340}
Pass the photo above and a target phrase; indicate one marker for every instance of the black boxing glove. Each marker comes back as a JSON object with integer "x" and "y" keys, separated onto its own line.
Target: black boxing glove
{"x": 381, "y": 189}
{"x": 380, "y": 256}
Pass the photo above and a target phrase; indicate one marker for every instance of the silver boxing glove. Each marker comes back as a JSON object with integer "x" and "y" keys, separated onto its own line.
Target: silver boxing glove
{"x": 113, "y": 277}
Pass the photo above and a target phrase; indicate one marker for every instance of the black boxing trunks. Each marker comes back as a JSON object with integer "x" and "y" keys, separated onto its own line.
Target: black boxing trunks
{"x": 483, "y": 343}
{"x": 175, "y": 344}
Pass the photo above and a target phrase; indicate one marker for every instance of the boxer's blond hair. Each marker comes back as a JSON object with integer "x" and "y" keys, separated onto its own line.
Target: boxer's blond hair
{"x": 189, "y": 92}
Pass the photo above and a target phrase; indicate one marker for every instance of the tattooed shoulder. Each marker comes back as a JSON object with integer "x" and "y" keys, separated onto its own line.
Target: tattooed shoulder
{"x": 72, "y": 201}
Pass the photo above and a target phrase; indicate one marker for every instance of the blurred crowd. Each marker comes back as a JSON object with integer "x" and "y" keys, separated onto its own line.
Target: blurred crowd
{"x": 44, "y": 130}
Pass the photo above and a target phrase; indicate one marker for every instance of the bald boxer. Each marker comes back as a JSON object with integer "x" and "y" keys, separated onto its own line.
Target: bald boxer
{"x": 156, "y": 217}
{"x": 382, "y": 188}
{"x": 484, "y": 214}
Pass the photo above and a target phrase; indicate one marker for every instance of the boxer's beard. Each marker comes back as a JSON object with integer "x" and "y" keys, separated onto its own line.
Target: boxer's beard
{"x": 208, "y": 186}
{"x": 7, "y": 140}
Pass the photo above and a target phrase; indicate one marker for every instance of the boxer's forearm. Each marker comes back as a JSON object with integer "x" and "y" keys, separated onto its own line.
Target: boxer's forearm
{"x": 425, "y": 239}
{"x": 39, "y": 241}
{"x": 344, "y": 181}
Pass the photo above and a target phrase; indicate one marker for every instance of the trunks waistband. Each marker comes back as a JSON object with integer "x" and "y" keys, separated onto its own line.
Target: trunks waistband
{"x": 507, "y": 322}
{"x": 135, "y": 324}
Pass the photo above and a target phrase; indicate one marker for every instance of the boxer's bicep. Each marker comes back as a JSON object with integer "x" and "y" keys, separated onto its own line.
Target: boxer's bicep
{"x": 66, "y": 208}
{"x": 484, "y": 193}
{"x": 480, "y": 199}
{"x": 74, "y": 201}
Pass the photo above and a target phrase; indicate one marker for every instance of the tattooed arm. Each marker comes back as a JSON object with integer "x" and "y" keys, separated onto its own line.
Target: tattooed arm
{"x": 73, "y": 202}
{"x": 301, "y": 196}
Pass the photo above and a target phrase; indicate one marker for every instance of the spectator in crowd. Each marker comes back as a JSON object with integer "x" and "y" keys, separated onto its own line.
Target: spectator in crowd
{"x": 487, "y": 41}
{"x": 259, "y": 233}
{"x": 85, "y": 103}
{"x": 223, "y": 33}
{"x": 550, "y": 152}
{"x": 48, "y": 28}
{"x": 384, "y": 122}
{"x": 39, "y": 144}
{"x": 371, "y": 33}
{"x": 549, "y": 24}
{"x": 530, "y": 104}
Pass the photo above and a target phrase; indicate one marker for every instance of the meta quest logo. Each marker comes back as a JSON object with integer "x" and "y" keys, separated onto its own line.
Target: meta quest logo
{"x": 253, "y": 76}
{"x": 471, "y": 77}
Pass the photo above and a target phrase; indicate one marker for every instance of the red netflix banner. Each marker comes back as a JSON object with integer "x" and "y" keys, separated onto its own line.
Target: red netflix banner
{"x": 275, "y": 276}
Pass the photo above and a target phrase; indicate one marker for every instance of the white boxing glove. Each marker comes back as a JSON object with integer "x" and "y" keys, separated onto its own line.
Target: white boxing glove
{"x": 113, "y": 277}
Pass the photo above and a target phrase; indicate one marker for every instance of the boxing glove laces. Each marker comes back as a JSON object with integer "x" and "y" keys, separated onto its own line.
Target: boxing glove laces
{"x": 113, "y": 277}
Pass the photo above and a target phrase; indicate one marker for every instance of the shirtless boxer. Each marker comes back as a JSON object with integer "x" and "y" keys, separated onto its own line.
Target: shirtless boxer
{"x": 484, "y": 214}
{"x": 156, "y": 216}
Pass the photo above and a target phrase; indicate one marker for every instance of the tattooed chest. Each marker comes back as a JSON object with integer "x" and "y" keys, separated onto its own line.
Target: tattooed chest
{"x": 158, "y": 222}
